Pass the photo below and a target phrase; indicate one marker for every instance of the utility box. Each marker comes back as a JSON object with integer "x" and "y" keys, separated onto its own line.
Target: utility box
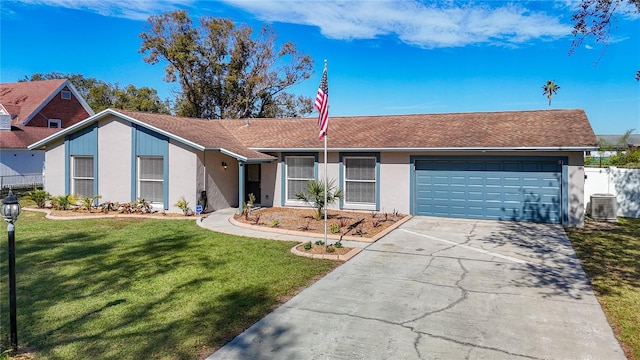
{"x": 603, "y": 207}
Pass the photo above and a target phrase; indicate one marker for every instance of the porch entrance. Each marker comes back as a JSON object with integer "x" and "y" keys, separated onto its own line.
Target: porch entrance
{"x": 252, "y": 182}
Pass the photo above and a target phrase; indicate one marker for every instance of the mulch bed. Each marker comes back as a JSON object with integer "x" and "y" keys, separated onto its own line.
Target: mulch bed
{"x": 350, "y": 223}
{"x": 321, "y": 249}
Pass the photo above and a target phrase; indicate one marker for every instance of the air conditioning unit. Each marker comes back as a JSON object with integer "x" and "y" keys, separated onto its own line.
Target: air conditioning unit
{"x": 603, "y": 207}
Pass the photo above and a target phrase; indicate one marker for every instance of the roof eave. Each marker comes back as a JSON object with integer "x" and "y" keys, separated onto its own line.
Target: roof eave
{"x": 88, "y": 121}
{"x": 242, "y": 158}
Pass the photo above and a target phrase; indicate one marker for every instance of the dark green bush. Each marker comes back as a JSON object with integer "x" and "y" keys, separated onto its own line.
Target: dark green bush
{"x": 40, "y": 197}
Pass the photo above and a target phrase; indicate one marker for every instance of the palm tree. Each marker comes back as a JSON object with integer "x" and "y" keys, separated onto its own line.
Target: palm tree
{"x": 315, "y": 195}
{"x": 550, "y": 89}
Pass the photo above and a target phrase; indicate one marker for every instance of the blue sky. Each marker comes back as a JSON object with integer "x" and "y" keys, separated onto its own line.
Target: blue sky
{"x": 383, "y": 57}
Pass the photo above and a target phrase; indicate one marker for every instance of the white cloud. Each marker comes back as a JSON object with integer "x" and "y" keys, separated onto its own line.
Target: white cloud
{"x": 128, "y": 9}
{"x": 413, "y": 22}
{"x": 427, "y": 25}
{"x": 588, "y": 47}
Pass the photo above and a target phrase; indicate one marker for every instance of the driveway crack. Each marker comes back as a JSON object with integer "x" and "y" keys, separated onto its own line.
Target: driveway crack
{"x": 463, "y": 297}
{"x": 476, "y": 346}
{"x": 416, "y": 343}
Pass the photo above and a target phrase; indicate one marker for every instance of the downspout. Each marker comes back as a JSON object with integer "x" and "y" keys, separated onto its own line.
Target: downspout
{"x": 240, "y": 185}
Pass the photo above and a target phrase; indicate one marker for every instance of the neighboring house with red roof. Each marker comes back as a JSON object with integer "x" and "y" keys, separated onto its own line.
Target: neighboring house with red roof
{"x": 516, "y": 165}
{"x": 31, "y": 111}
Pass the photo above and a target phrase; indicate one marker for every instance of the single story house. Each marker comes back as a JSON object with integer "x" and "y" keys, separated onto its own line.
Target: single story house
{"x": 511, "y": 165}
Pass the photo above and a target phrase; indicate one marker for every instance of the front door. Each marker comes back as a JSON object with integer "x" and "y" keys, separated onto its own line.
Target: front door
{"x": 252, "y": 182}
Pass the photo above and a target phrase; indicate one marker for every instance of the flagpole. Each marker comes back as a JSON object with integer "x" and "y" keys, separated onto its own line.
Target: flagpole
{"x": 322, "y": 105}
{"x": 326, "y": 185}
{"x": 326, "y": 244}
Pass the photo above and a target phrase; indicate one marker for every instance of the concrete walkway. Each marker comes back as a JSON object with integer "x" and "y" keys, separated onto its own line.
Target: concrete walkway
{"x": 442, "y": 289}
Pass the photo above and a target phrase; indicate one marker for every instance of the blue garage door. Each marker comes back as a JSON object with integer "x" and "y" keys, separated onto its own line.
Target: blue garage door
{"x": 515, "y": 189}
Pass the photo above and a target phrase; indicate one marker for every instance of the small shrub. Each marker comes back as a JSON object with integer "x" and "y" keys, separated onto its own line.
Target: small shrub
{"x": 107, "y": 206}
{"x": 338, "y": 244}
{"x": 305, "y": 227}
{"x": 138, "y": 206}
{"x": 245, "y": 211}
{"x": 256, "y": 220}
{"x": 330, "y": 249}
{"x": 375, "y": 223}
{"x": 275, "y": 223}
{"x": 334, "y": 228}
{"x": 385, "y": 216}
{"x": 40, "y": 197}
{"x": 89, "y": 202}
{"x": 60, "y": 202}
{"x": 126, "y": 208}
{"x": 373, "y": 214}
{"x": 343, "y": 221}
{"x": 307, "y": 245}
{"x": 247, "y": 206}
{"x": 319, "y": 242}
{"x": 358, "y": 231}
{"x": 183, "y": 204}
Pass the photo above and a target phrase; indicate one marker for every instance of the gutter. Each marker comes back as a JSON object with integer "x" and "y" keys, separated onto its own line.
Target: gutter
{"x": 432, "y": 149}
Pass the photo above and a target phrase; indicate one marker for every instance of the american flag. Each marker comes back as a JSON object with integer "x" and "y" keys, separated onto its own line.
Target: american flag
{"x": 322, "y": 104}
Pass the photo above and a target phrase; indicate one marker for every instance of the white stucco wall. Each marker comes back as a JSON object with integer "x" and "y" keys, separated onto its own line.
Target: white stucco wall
{"x": 54, "y": 168}
{"x": 114, "y": 160}
{"x": 183, "y": 163}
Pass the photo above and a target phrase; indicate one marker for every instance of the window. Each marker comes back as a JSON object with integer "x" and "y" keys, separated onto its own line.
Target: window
{"x": 82, "y": 178}
{"x": 54, "y": 123}
{"x": 151, "y": 178}
{"x": 299, "y": 169}
{"x": 65, "y": 94}
{"x": 360, "y": 180}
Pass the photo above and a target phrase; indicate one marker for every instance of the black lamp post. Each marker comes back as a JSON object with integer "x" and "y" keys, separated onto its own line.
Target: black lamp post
{"x": 10, "y": 212}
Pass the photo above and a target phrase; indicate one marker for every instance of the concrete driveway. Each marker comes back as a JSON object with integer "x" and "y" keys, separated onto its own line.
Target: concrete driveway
{"x": 443, "y": 289}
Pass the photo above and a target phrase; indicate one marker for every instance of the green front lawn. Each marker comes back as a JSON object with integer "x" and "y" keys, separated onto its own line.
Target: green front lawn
{"x": 610, "y": 256}
{"x": 141, "y": 289}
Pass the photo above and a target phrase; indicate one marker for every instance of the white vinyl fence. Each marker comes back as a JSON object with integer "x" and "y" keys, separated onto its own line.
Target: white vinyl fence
{"x": 20, "y": 180}
{"x": 623, "y": 183}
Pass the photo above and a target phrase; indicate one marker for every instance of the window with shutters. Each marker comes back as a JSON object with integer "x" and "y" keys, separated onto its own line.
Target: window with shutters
{"x": 359, "y": 180}
{"x": 151, "y": 178}
{"x": 299, "y": 171}
{"x": 82, "y": 177}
